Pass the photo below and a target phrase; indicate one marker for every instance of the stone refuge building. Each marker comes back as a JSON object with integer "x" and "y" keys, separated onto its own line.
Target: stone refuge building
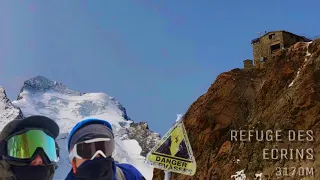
{"x": 269, "y": 43}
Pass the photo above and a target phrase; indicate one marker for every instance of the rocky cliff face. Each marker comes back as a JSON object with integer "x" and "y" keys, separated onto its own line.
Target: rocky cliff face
{"x": 284, "y": 96}
{"x": 146, "y": 138}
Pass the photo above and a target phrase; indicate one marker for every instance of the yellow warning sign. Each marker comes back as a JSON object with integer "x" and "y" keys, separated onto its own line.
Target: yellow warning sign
{"x": 173, "y": 152}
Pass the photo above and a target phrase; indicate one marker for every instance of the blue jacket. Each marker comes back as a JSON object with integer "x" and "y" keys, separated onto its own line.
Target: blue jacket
{"x": 129, "y": 171}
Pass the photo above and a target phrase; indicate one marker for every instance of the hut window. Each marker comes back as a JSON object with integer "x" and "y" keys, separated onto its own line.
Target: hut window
{"x": 275, "y": 47}
{"x": 272, "y": 36}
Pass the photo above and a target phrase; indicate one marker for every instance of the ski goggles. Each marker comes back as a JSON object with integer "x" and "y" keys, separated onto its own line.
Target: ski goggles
{"x": 91, "y": 148}
{"x": 25, "y": 145}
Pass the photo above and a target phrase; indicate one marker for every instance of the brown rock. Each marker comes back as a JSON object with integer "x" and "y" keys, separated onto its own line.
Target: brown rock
{"x": 226, "y": 146}
{"x": 317, "y": 157}
{"x": 298, "y": 45}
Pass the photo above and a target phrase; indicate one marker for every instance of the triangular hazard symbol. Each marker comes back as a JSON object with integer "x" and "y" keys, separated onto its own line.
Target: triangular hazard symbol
{"x": 173, "y": 152}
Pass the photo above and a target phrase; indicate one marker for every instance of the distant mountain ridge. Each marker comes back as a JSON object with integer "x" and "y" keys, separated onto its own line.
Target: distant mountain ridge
{"x": 40, "y": 84}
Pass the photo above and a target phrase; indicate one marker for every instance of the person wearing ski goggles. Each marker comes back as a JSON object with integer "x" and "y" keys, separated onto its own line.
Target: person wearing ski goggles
{"x": 91, "y": 144}
{"x": 28, "y": 150}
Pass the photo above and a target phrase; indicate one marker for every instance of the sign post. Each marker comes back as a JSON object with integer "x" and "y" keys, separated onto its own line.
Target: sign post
{"x": 173, "y": 153}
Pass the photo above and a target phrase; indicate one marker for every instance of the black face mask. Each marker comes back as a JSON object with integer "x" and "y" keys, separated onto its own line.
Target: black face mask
{"x": 96, "y": 169}
{"x": 31, "y": 172}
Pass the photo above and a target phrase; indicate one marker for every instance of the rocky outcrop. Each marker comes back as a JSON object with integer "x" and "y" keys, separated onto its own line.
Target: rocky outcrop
{"x": 283, "y": 96}
{"x": 146, "y": 138}
{"x": 8, "y": 111}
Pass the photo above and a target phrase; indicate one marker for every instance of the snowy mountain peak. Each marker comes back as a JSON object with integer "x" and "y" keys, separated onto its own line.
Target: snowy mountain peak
{"x": 3, "y": 96}
{"x": 41, "y": 84}
{"x": 54, "y": 93}
{"x": 8, "y": 112}
{"x": 2, "y": 90}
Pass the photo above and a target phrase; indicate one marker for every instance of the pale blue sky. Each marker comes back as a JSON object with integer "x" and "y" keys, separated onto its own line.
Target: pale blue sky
{"x": 155, "y": 57}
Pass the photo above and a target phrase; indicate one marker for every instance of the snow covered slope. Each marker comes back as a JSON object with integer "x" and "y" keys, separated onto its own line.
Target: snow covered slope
{"x": 7, "y": 111}
{"x": 67, "y": 107}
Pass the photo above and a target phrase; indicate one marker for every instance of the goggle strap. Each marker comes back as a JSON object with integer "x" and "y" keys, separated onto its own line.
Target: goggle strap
{"x": 2, "y": 149}
{"x": 97, "y": 140}
{"x": 26, "y": 130}
{"x": 73, "y": 153}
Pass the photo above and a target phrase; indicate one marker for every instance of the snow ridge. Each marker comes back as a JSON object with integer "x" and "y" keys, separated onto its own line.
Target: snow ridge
{"x": 308, "y": 54}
